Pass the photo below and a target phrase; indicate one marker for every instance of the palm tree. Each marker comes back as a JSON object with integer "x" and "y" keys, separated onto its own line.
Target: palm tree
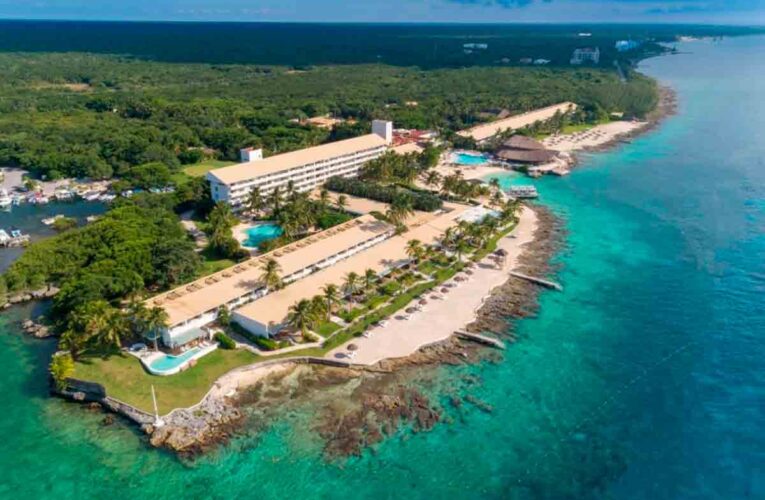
{"x": 414, "y": 250}
{"x": 494, "y": 182}
{"x": 156, "y": 320}
{"x": 497, "y": 199}
{"x": 301, "y": 315}
{"x": 323, "y": 199}
{"x": 370, "y": 276}
{"x": 255, "y": 200}
{"x": 432, "y": 178}
{"x": 276, "y": 199}
{"x": 270, "y": 276}
{"x": 114, "y": 329}
{"x": 461, "y": 248}
{"x": 399, "y": 210}
{"x": 351, "y": 285}
{"x": 319, "y": 308}
{"x": 331, "y": 296}
{"x": 341, "y": 202}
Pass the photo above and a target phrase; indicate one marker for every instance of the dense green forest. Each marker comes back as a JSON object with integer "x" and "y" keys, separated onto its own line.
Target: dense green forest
{"x": 101, "y": 116}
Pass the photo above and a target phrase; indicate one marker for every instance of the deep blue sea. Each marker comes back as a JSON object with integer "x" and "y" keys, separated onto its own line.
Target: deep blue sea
{"x": 644, "y": 379}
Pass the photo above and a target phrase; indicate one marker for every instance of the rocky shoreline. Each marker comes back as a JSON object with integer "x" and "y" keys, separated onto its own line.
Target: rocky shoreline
{"x": 355, "y": 408}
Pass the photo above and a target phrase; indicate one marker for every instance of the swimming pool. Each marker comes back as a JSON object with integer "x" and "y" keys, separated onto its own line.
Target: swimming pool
{"x": 260, "y": 233}
{"x": 470, "y": 159}
{"x": 167, "y": 364}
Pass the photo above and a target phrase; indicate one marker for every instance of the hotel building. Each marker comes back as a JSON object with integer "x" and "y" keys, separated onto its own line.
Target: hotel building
{"x": 192, "y": 306}
{"x": 306, "y": 168}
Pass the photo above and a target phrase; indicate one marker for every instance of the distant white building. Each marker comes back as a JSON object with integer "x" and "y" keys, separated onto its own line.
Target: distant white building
{"x": 306, "y": 168}
{"x": 625, "y": 45}
{"x": 541, "y": 62}
{"x": 586, "y": 55}
{"x": 478, "y": 46}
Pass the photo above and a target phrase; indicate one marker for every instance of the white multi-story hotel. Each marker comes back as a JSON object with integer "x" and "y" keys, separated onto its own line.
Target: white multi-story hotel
{"x": 306, "y": 168}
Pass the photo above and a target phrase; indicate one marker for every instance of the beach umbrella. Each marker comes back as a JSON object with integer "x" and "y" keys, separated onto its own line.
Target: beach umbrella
{"x": 469, "y": 272}
{"x": 352, "y": 347}
{"x": 423, "y": 302}
{"x": 444, "y": 290}
{"x": 411, "y": 310}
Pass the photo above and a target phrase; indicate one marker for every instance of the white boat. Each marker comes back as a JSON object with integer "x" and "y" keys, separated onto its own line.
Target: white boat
{"x": 5, "y": 200}
{"x": 49, "y": 221}
{"x": 91, "y": 196}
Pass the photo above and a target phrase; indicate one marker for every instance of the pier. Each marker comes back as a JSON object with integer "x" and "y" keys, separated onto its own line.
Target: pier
{"x": 481, "y": 339}
{"x": 538, "y": 281}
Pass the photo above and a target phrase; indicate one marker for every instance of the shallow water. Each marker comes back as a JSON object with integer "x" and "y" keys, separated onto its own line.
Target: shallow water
{"x": 643, "y": 379}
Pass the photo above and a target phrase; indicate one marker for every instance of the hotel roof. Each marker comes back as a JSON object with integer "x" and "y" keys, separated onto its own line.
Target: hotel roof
{"x": 287, "y": 161}
{"x": 487, "y": 130}
{"x": 274, "y": 307}
{"x": 211, "y": 292}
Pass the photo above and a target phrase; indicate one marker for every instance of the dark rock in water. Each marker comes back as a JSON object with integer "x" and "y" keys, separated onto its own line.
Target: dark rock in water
{"x": 481, "y": 405}
{"x": 107, "y": 420}
{"x": 94, "y": 406}
{"x": 36, "y": 329}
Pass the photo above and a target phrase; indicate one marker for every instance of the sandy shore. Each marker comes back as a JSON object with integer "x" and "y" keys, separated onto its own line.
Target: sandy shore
{"x": 596, "y": 137}
{"x": 439, "y": 319}
{"x": 468, "y": 172}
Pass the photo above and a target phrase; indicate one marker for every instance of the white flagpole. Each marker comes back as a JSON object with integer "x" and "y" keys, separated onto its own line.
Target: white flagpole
{"x": 158, "y": 422}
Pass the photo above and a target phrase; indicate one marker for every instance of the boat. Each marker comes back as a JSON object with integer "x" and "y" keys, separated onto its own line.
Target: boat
{"x": 91, "y": 196}
{"x": 49, "y": 221}
{"x": 5, "y": 200}
{"x": 64, "y": 195}
{"x": 522, "y": 192}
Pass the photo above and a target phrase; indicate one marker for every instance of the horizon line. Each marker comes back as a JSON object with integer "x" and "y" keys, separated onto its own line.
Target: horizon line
{"x": 408, "y": 23}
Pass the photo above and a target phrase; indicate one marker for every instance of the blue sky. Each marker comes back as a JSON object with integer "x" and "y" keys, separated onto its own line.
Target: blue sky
{"x": 704, "y": 11}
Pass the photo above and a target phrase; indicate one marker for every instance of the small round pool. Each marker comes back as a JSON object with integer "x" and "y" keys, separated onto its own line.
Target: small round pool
{"x": 260, "y": 233}
{"x": 470, "y": 159}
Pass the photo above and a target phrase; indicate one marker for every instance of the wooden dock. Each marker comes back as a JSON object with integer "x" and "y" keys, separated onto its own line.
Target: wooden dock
{"x": 538, "y": 281}
{"x": 481, "y": 339}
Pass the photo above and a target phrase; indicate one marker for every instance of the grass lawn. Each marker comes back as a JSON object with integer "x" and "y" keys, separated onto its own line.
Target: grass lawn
{"x": 124, "y": 378}
{"x": 211, "y": 263}
{"x": 200, "y": 169}
{"x": 327, "y": 328}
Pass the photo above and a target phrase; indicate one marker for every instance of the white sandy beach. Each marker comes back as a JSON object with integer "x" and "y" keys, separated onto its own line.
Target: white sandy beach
{"x": 441, "y": 318}
{"x": 594, "y": 137}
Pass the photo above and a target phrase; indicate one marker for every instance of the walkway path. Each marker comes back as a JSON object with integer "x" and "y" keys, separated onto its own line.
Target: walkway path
{"x": 440, "y": 318}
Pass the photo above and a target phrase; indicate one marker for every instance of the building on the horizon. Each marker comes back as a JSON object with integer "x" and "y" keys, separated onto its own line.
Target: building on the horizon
{"x": 586, "y": 55}
{"x": 306, "y": 169}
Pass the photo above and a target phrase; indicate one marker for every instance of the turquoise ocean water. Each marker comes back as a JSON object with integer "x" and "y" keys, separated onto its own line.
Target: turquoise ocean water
{"x": 642, "y": 380}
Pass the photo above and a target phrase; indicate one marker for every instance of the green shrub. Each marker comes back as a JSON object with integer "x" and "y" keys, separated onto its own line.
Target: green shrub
{"x": 424, "y": 201}
{"x": 225, "y": 341}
